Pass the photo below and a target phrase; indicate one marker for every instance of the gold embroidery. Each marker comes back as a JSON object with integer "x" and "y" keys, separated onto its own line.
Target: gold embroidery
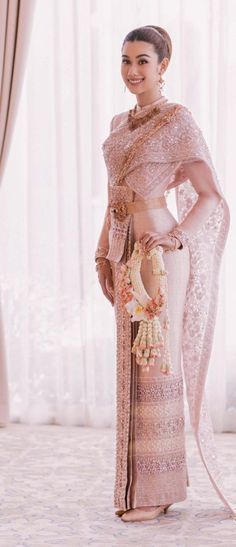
{"x": 164, "y": 120}
{"x": 119, "y": 210}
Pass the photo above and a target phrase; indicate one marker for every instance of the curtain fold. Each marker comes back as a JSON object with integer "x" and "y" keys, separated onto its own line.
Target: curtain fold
{"x": 59, "y": 328}
{"x": 15, "y": 24}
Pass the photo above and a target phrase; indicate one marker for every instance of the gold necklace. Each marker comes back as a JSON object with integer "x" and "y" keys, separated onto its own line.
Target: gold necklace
{"x": 134, "y": 122}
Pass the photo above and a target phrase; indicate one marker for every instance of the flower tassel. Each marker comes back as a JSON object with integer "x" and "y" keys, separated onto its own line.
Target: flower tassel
{"x": 141, "y": 307}
{"x": 148, "y": 342}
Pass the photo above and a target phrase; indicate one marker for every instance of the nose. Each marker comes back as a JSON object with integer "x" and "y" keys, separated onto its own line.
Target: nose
{"x": 133, "y": 75}
{"x": 131, "y": 71}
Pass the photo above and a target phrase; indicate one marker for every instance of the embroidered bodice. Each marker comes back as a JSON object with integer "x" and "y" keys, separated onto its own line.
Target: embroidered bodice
{"x": 148, "y": 174}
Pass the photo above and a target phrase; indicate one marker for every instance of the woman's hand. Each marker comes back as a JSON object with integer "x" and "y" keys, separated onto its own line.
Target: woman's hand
{"x": 149, "y": 240}
{"x": 106, "y": 281}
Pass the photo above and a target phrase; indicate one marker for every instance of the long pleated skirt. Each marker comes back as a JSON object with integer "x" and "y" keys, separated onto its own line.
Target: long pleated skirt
{"x": 151, "y": 466}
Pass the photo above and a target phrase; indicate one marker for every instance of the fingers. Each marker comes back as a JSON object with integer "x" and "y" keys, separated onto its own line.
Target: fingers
{"x": 145, "y": 237}
{"x": 150, "y": 240}
{"x": 107, "y": 294}
{"x": 109, "y": 286}
{"x": 149, "y": 237}
{"x": 106, "y": 283}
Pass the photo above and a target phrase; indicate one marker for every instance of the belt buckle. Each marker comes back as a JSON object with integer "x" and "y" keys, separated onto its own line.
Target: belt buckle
{"x": 119, "y": 210}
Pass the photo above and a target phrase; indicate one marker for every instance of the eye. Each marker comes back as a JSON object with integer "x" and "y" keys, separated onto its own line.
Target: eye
{"x": 143, "y": 61}
{"x": 125, "y": 61}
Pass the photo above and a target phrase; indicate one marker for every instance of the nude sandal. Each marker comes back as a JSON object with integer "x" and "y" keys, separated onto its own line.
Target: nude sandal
{"x": 144, "y": 515}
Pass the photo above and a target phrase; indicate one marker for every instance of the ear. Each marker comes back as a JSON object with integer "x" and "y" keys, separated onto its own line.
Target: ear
{"x": 164, "y": 64}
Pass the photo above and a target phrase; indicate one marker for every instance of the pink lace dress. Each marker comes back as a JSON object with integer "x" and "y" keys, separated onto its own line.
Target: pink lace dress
{"x": 151, "y": 464}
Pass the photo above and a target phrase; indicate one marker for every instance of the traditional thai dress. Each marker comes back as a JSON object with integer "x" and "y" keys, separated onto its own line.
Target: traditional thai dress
{"x": 151, "y": 464}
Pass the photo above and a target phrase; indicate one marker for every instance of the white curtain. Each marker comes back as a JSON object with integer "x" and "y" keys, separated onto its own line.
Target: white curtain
{"x": 60, "y": 331}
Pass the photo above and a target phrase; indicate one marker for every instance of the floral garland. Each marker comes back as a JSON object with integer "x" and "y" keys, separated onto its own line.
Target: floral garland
{"x": 141, "y": 307}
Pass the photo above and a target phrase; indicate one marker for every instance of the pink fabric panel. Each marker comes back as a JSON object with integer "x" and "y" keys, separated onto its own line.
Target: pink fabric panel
{"x": 15, "y": 24}
{"x": 159, "y": 467}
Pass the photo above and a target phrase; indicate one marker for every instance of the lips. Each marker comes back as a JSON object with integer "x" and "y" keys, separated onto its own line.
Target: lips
{"x": 136, "y": 82}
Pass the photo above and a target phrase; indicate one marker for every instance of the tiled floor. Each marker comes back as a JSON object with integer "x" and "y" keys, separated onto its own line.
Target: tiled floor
{"x": 56, "y": 488}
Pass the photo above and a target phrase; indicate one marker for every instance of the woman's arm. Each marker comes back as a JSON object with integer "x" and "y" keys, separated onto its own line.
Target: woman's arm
{"x": 189, "y": 143}
{"x": 103, "y": 240}
{"x": 103, "y": 266}
{"x": 200, "y": 175}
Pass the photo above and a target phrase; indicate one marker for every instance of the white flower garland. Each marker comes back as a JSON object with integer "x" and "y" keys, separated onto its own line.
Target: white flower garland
{"x": 141, "y": 307}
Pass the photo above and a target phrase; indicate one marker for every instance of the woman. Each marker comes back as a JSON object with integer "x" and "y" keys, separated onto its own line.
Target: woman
{"x": 154, "y": 147}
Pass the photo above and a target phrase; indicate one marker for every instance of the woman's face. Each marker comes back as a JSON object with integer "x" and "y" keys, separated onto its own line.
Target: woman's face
{"x": 140, "y": 67}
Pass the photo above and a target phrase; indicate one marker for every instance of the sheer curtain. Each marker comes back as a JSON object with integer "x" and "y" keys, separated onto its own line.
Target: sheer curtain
{"x": 60, "y": 331}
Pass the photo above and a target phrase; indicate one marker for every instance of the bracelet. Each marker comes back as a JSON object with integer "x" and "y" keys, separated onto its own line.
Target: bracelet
{"x": 176, "y": 241}
{"x": 101, "y": 262}
{"x": 101, "y": 252}
{"x": 181, "y": 236}
{"x": 100, "y": 259}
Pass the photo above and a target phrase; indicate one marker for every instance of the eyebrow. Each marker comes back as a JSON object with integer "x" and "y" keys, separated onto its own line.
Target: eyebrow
{"x": 141, "y": 55}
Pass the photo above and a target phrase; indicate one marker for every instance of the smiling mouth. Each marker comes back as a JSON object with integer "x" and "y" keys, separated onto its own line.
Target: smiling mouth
{"x": 136, "y": 82}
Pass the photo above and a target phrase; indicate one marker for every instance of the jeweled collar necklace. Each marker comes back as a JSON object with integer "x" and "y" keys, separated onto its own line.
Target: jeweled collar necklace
{"x": 134, "y": 118}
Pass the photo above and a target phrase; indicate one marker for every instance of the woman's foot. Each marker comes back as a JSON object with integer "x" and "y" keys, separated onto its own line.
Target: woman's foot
{"x": 144, "y": 513}
{"x": 120, "y": 512}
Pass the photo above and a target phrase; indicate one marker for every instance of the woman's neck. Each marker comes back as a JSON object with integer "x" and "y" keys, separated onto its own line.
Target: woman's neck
{"x": 141, "y": 105}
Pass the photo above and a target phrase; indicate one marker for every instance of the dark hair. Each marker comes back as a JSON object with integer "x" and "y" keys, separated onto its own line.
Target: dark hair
{"x": 160, "y": 40}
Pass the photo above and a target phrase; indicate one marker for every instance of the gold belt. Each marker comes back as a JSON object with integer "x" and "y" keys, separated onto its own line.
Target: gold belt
{"x": 121, "y": 209}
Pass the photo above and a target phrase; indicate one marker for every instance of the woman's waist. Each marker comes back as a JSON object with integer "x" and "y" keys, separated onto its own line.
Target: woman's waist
{"x": 144, "y": 215}
{"x": 123, "y": 204}
{"x": 152, "y": 220}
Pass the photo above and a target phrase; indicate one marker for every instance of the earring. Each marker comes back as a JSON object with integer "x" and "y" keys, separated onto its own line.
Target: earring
{"x": 161, "y": 82}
